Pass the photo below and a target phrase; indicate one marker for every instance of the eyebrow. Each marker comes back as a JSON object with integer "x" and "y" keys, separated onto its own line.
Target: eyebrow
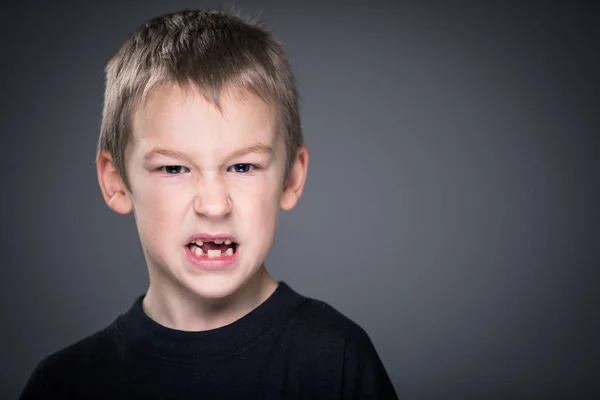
{"x": 255, "y": 148}
{"x": 260, "y": 148}
{"x": 159, "y": 151}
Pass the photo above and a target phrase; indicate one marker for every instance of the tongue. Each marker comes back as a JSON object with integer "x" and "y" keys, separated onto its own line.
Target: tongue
{"x": 213, "y": 246}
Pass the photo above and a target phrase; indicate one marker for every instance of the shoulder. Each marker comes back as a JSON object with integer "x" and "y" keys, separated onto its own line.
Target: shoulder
{"x": 321, "y": 315}
{"x": 324, "y": 323}
{"x": 61, "y": 369}
{"x": 332, "y": 341}
{"x": 83, "y": 351}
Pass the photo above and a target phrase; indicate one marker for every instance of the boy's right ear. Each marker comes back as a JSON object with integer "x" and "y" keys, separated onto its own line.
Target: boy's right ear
{"x": 113, "y": 189}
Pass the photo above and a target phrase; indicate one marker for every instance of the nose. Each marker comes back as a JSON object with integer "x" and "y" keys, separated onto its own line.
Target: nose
{"x": 212, "y": 199}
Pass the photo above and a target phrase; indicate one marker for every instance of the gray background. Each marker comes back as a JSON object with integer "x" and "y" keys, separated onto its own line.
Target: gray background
{"x": 452, "y": 201}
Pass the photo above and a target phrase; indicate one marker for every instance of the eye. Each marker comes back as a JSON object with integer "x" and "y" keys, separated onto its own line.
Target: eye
{"x": 173, "y": 169}
{"x": 242, "y": 168}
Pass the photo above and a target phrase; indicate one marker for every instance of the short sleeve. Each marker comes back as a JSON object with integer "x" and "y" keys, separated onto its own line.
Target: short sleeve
{"x": 34, "y": 388}
{"x": 364, "y": 375}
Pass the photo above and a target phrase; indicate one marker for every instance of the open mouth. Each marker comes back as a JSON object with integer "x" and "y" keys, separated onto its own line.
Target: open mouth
{"x": 213, "y": 249}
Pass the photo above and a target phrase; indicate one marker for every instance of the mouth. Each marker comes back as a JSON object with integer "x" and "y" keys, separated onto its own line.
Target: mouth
{"x": 216, "y": 248}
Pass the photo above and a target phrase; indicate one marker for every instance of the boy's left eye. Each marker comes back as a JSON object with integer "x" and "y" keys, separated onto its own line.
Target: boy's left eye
{"x": 242, "y": 168}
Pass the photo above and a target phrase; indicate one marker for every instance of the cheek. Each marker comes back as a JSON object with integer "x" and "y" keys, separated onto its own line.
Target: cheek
{"x": 159, "y": 213}
{"x": 258, "y": 208}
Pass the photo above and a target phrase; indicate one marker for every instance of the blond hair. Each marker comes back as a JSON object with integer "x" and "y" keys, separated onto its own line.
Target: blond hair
{"x": 209, "y": 49}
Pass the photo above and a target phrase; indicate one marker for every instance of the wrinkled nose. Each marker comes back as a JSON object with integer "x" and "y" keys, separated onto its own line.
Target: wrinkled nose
{"x": 212, "y": 199}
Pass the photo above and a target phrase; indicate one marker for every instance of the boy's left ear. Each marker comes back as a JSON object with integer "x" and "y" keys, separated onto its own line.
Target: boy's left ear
{"x": 295, "y": 180}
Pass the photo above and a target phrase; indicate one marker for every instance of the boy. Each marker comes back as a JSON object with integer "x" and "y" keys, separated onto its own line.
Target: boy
{"x": 201, "y": 139}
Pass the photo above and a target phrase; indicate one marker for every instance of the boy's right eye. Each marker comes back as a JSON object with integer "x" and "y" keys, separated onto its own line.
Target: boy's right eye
{"x": 173, "y": 169}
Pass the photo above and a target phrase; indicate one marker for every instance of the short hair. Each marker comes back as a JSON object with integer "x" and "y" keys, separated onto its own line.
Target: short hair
{"x": 211, "y": 50}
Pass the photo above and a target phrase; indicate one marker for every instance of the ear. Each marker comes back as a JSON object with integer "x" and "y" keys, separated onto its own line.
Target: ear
{"x": 295, "y": 181}
{"x": 113, "y": 189}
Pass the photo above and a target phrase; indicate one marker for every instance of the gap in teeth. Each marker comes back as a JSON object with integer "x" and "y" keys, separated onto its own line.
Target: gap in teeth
{"x": 216, "y": 241}
{"x": 197, "y": 250}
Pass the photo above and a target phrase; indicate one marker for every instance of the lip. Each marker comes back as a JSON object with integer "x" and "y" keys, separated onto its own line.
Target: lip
{"x": 211, "y": 263}
{"x": 209, "y": 237}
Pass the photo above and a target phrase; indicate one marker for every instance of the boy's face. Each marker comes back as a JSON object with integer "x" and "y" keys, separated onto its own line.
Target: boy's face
{"x": 195, "y": 170}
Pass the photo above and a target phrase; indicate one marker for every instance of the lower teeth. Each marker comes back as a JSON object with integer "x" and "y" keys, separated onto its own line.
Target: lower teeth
{"x": 214, "y": 253}
{"x": 211, "y": 253}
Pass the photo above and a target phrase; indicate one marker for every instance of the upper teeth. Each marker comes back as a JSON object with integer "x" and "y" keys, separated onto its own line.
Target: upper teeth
{"x": 217, "y": 241}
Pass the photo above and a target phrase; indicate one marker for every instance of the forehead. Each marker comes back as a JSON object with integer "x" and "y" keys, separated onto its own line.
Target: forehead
{"x": 184, "y": 117}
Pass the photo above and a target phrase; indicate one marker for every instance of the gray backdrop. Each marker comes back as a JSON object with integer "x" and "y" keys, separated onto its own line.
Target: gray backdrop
{"x": 451, "y": 207}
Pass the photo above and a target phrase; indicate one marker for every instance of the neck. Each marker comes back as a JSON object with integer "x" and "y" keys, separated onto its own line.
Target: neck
{"x": 188, "y": 312}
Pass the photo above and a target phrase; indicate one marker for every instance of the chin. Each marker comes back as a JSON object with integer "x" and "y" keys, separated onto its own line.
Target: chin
{"x": 212, "y": 289}
{"x": 216, "y": 287}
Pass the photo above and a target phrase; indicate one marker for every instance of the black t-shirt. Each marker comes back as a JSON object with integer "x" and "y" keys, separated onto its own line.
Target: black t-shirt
{"x": 289, "y": 347}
